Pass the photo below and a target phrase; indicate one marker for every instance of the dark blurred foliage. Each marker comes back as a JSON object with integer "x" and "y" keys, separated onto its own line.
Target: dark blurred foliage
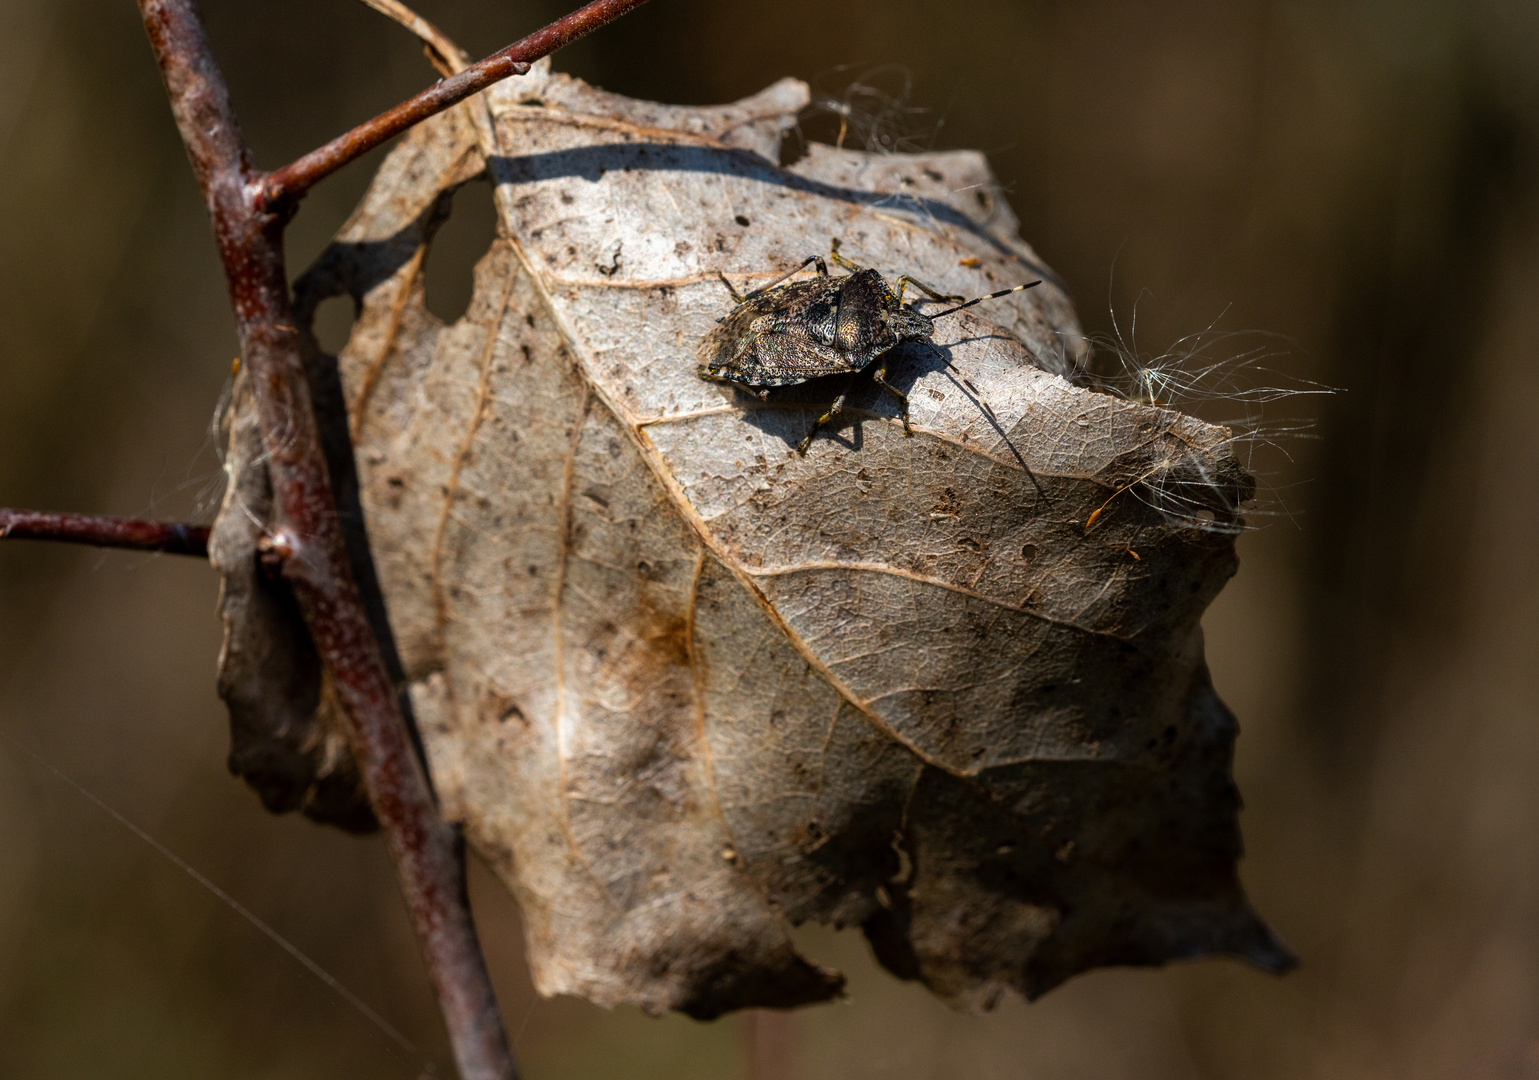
{"x": 1358, "y": 178}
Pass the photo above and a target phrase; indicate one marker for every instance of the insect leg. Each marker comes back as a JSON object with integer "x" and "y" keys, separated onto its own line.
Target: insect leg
{"x": 905, "y": 281}
{"x": 737, "y": 297}
{"x": 822, "y": 269}
{"x": 840, "y": 260}
{"x": 833, "y": 410}
{"x": 879, "y": 376}
{"x": 760, "y": 392}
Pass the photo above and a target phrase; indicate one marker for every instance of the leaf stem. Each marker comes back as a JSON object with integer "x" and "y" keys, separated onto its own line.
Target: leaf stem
{"x": 171, "y": 537}
{"x": 281, "y": 188}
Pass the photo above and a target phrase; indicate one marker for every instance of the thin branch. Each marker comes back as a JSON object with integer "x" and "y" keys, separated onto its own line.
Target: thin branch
{"x": 313, "y": 557}
{"x": 282, "y": 187}
{"x": 248, "y": 211}
{"x": 171, "y": 537}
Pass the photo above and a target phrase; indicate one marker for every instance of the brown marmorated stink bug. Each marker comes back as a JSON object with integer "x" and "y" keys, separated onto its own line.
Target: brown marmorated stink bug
{"x": 782, "y": 335}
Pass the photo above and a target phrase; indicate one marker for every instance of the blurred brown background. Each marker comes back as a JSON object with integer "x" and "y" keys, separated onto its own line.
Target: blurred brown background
{"x": 1360, "y": 177}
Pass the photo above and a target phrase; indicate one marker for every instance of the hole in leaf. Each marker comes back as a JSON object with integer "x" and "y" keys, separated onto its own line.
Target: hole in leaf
{"x": 793, "y": 147}
{"x": 1206, "y": 516}
{"x": 459, "y": 243}
{"x": 1029, "y": 552}
{"x": 334, "y": 323}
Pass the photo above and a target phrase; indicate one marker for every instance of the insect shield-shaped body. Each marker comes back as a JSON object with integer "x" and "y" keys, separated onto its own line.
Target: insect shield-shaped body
{"x": 782, "y": 335}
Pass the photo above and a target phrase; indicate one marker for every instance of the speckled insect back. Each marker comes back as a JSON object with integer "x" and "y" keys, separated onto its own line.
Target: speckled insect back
{"x": 783, "y": 335}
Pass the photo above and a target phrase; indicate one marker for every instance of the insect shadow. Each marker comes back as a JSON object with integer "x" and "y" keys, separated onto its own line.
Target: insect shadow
{"x": 786, "y": 413}
{"x": 788, "y": 410}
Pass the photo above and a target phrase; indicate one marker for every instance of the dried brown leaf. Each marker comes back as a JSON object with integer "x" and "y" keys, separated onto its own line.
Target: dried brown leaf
{"x": 286, "y": 737}
{"x": 686, "y": 689}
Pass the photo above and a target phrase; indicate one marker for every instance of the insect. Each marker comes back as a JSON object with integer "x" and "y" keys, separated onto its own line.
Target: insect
{"x": 782, "y": 335}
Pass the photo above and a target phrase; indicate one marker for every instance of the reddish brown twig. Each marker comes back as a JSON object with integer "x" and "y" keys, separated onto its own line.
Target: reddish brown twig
{"x": 172, "y": 537}
{"x": 248, "y": 211}
{"x": 284, "y": 186}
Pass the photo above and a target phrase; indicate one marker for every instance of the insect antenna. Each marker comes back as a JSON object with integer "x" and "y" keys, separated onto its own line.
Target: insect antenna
{"x": 981, "y": 299}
